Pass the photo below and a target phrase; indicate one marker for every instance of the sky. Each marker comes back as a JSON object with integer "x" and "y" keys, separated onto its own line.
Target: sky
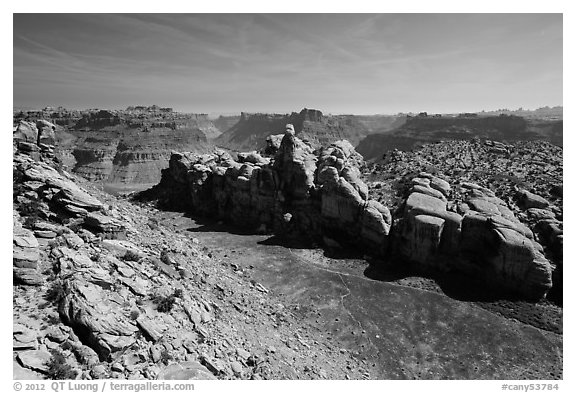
{"x": 338, "y": 63}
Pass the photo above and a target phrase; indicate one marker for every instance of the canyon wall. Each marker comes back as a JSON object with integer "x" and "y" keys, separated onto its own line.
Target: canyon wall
{"x": 429, "y": 129}
{"x": 320, "y": 196}
{"x": 127, "y": 156}
{"x": 312, "y": 125}
{"x": 121, "y": 150}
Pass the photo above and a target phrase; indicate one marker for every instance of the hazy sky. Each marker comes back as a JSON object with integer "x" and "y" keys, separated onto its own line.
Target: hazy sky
{"x": 338, "y": 63}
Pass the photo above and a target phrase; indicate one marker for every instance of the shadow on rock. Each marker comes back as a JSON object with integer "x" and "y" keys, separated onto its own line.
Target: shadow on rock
{"x": 452, "y": 284}
{"x": 211, "y": 225}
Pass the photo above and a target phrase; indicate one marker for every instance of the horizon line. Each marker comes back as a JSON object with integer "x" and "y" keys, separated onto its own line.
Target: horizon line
{"x": 336, "y": 113}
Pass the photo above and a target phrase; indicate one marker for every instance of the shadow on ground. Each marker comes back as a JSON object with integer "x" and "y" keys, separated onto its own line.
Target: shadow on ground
{"x": 400, "y": 324}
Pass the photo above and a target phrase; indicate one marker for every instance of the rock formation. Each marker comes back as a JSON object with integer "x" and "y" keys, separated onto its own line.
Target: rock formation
{"x": 521, "y": 175}
{"x": 321, "y": 196}
{"x": 486, "y": 241}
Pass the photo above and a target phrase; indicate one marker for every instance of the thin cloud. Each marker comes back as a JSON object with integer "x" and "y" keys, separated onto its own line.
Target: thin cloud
{"x": 340, "y": 62}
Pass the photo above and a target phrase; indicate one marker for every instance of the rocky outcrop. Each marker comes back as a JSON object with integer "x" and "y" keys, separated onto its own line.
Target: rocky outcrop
{"x": 345, "y": 208}
{"x": 54, "y": 188}
{"x": 320, "y": 195}
{"x": 46, "y": 132}
{"x": 25, "y": 256}
{"x": 485, "y": 240}
{"x": 252, "y": 191}
{"x": 90, "y": 310}
{"x": 25, "y": 131}
{"x": 34, "y": 138}
{"x": 522, "y": 175}
{"x": 297, "y": 192}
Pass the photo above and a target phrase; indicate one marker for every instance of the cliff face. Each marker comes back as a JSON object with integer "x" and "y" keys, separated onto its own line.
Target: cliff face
{"x": 381, "y": 123}
{"x": 322, "y": 198}
{"x": 419, "y": 130}
{"x": 224, "y": 123}
{"x": 124, "y": 156}
{"x": 312, "y": 125}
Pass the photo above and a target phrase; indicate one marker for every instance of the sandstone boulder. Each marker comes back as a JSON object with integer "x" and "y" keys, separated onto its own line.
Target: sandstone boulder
{"x": 35, "y": 360}
{"x": 25, "y": 257}
{"x": 418, "y": 203}
{"x": 540, "y": 214}
{"x": 185, "y": 371}
{"x": 25, "y": 249}
{"x": 68, "y": 193}
{"x": 119, "y": 248}
{"x": 92, "y": 310}
{"x": 427, "y": 190}
{"x": 529, "y": 200}
{"x": 520, "y": 259}
{"x": 154, "y": 329}
{"x": 273, "y": 144}
{"x": 46, "y": 132}
{"x": 441, "y": 185}
{"x": 295, "y": 164}
{"x": 26, "y": 132}
{"x": 253, "y": 158}
{"x": 109, "y": 226}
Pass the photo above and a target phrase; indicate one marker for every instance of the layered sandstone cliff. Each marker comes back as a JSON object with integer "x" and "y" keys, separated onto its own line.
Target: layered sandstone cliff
{"x": 127, "y": 156}
{"x": 122, "y": 150}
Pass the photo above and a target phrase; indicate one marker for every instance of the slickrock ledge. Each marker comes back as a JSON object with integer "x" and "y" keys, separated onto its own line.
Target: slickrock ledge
{"x": 320, "y": 195}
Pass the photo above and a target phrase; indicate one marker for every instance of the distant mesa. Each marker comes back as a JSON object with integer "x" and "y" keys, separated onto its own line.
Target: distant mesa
{"x": 148, "y": 109}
